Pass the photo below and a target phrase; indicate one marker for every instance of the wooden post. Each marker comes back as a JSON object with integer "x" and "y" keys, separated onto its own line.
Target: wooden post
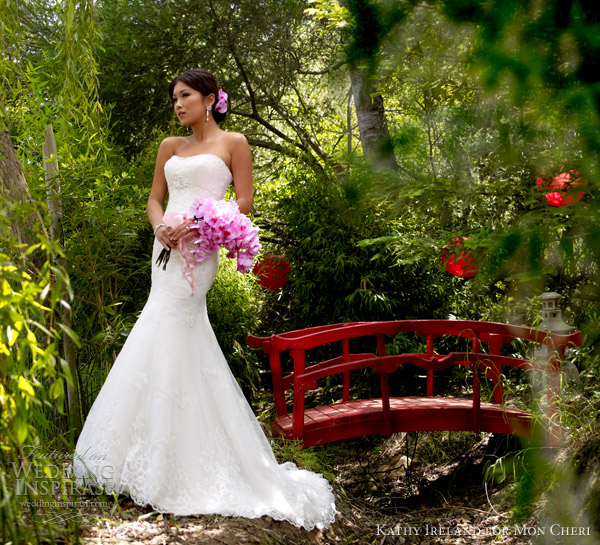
{"x": 52, "y": 183}
{"x": 55, "y": 211}
{"x": 346, "y": 375}
{"x": 476, "y": 397}
{"x": 495, "y": 348}
{"x": 429, "y": 371}
{"x": 298, "y": 411}
{"x": 278, "y": 388}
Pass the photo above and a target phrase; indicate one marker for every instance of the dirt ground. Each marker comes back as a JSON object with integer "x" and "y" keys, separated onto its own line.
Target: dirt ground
{"x": 435, "y": 488}
{"x": 384, "y": 495}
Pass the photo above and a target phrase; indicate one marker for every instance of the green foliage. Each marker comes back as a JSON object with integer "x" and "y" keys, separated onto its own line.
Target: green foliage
{"x": 76, "y": 56}
{"x": 259, "y": 52}
{"x": 586, "y": 465}
{"x": 319, "y": 229}
{"x": 107, "y": 243}
{"x": 314, "y": 459}
{"x": 469, "y": 156}
{"x": 33, "y": 378}
{"x": 371, "y": 23}
{"x": 536, "y": 485}
{"x": 555, "y": 485}
{"x": 480, "y": 98}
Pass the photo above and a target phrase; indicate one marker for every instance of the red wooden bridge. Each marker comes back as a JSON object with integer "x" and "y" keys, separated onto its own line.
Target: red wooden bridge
{"x": 386, "y": 415}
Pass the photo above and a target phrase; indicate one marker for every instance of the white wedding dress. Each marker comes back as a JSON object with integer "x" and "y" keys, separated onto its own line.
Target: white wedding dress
{"x": 170, "y": 426}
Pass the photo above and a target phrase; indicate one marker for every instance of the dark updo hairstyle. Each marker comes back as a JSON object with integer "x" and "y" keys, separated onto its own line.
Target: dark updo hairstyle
{"x": 203, "y": 82}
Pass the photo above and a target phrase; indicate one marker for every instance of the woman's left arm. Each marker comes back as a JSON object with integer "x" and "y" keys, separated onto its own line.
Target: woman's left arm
{"x": 241, "y": 168}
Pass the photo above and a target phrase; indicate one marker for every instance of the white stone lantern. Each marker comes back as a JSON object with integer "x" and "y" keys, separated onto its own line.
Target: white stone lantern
{"x": 552, "y": 315}
{"x": 553, "y": 323}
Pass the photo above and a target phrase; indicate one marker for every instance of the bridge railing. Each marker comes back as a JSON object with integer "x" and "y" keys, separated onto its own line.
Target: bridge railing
{"x": 444, "y": 412}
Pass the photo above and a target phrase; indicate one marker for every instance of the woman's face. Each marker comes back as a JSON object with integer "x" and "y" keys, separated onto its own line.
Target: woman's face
{"x": 190, "y": 105}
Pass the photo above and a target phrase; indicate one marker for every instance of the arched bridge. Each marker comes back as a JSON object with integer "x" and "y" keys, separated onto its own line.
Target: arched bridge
{"x": 486, "y": 342}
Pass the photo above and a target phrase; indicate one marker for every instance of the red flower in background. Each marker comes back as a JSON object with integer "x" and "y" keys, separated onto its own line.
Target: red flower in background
{"x": 562, "y": 184}
{"x": 457, "y": 259}
{"x": 272, "y": 272}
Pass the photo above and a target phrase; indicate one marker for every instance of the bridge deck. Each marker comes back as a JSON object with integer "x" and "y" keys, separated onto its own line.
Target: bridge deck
{"x": 357, "y": 418}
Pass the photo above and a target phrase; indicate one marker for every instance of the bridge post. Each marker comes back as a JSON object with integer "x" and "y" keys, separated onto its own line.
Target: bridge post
{"x": 299, "y": 357}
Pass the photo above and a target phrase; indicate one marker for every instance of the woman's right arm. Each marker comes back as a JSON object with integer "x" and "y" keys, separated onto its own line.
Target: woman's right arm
{"x": 158, "y": 193}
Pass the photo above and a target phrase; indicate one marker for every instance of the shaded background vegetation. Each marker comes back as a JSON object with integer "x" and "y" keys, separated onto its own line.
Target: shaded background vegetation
{"x": 470, "y": 102}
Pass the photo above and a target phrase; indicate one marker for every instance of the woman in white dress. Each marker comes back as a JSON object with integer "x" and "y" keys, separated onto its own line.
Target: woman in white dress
{"x": 170, "y": 426}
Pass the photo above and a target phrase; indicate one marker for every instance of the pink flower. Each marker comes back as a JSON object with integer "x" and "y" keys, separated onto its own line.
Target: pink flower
{"x": 221, "y": 105}
{"x": 244, "y": 261}
{"x": 222, "y": 224}
{"x": 562, "y": 184}
{"x": 218, "y": 223}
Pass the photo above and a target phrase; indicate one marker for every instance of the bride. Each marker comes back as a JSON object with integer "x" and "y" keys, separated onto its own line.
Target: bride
{"x": 170, "y": 426}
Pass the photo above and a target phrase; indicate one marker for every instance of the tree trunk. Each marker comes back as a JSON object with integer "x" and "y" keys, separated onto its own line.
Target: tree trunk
{"x": 14, "y": 189}
{"x": 55, "y": 212}
{"x": 372, "y": 124}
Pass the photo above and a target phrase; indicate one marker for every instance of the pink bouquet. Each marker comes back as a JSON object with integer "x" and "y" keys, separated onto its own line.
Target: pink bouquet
{"x": 217, "y": 223}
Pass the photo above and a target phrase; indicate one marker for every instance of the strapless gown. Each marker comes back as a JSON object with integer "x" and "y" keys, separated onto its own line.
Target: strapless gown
{"x": 170, "y": 426}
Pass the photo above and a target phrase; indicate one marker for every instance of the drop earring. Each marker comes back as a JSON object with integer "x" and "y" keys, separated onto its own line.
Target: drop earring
{"x": 207, "y": 112}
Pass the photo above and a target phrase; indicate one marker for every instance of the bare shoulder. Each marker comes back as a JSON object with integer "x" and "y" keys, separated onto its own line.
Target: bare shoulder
{"x": 239, "y": 149}
{"x": 170, "y": 144}
{"x": 236, "y": 140}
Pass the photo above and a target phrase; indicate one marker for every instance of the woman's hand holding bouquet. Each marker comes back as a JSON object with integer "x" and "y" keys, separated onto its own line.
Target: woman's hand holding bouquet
{"x": 213, "y": 224}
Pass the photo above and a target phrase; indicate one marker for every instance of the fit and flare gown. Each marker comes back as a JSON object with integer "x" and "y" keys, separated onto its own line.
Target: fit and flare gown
{"x": 170, "y": 426}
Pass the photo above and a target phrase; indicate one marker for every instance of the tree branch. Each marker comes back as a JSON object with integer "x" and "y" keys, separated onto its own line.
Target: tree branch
{"x": 305, "y": 157}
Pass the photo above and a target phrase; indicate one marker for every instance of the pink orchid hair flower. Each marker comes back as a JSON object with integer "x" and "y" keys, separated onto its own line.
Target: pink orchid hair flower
{"x": 221, "y": 105}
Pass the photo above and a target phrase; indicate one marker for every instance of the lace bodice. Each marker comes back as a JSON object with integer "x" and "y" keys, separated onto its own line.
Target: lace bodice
{"x": 200, "y": 176}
